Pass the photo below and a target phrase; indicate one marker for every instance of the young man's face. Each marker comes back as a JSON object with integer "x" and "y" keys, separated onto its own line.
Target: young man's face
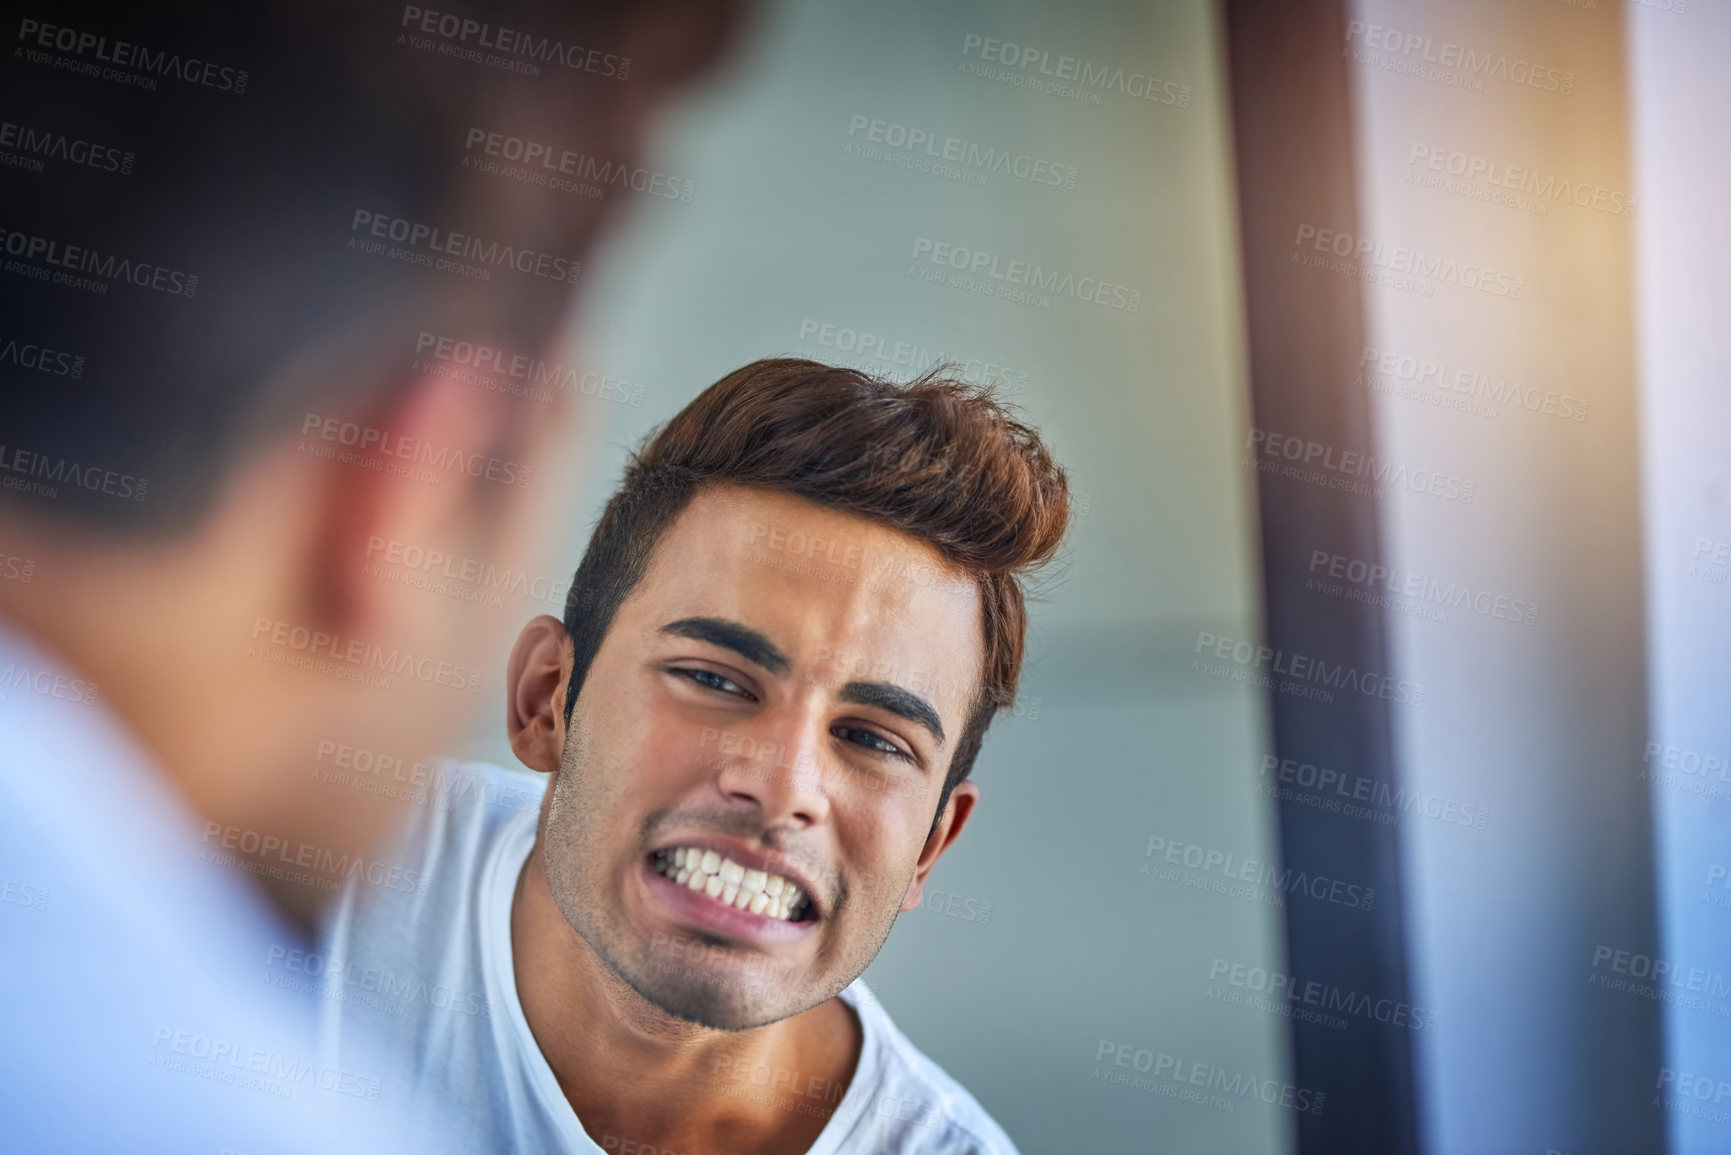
{"x": 773, "y": 709}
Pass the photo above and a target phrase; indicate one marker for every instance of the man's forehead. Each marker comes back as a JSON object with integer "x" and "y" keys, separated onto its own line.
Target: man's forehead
{"x": 834, "y": 590}
{"x": 733, "y": 516}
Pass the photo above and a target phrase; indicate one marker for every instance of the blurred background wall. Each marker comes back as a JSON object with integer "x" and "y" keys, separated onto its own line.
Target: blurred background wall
{"x": 1680, "y": 98}
{"x": 1496, "y": 238}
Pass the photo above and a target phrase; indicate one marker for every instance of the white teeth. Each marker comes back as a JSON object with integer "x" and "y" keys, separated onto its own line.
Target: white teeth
{"x": 730, "y": 882}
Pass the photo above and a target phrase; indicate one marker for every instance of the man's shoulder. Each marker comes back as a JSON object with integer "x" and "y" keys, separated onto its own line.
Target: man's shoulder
{"x": 459, "y": 810}
{"x": 914, "y": 1107}
{"x": 414, "y": 964}
{"x": 429, "y": 881}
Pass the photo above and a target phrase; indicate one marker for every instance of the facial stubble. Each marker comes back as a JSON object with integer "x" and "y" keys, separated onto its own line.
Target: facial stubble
{"x": 694, "y": 977}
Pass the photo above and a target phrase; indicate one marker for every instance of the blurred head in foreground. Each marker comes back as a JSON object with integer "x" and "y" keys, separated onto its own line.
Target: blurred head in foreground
{"x": 283, "y": 290}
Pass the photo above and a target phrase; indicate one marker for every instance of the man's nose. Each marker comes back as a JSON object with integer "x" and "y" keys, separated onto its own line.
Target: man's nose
{"x": 777, "y": 763}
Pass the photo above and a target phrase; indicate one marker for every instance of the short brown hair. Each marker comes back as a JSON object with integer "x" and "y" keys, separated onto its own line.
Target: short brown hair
{"x": 939, "y": 460}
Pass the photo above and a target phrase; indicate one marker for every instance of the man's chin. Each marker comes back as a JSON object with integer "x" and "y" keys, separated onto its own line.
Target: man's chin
{"x": 719, "y": 1001}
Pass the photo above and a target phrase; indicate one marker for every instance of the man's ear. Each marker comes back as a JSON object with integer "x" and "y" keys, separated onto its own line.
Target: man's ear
{"x": 379, "y": 508}
{"x": 961, "y": 805}
{"x": 536, "y": 679}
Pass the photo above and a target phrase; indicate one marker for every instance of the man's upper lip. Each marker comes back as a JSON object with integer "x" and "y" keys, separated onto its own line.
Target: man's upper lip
{"x": 752, "y": 860}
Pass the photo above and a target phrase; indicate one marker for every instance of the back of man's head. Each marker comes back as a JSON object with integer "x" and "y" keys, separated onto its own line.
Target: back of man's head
{"x": 244, "y": 248}
{"x": 221, "y": 216}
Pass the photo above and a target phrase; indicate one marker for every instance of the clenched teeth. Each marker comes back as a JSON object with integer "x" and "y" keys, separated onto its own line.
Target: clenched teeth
{"x": 727, "y": 881}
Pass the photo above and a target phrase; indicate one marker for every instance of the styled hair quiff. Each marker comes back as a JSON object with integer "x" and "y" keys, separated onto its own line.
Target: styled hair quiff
{"x": 937, "y": 459}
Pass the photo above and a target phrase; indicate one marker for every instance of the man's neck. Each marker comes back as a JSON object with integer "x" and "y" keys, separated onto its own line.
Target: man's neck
{"x": 632, "y": 1072}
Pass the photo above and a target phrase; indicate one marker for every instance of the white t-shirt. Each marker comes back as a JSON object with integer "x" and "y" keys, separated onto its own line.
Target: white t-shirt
{"x": 418, "y": 977}
{"x": 131, "y": 949}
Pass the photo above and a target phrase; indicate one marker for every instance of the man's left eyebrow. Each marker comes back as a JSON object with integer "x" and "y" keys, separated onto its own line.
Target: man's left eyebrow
{"x": 895, "y": 700}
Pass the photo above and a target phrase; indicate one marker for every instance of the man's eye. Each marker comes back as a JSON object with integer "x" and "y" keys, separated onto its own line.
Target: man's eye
{"x": 869, "y": 739}
{"x": 711, "y": 680}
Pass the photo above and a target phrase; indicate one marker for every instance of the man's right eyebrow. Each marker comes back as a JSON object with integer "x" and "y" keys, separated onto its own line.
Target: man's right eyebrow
{"x": 730, "y": 635}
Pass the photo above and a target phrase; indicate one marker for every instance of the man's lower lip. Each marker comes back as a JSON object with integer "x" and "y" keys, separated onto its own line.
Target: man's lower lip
{"x": 699, "y": 910}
